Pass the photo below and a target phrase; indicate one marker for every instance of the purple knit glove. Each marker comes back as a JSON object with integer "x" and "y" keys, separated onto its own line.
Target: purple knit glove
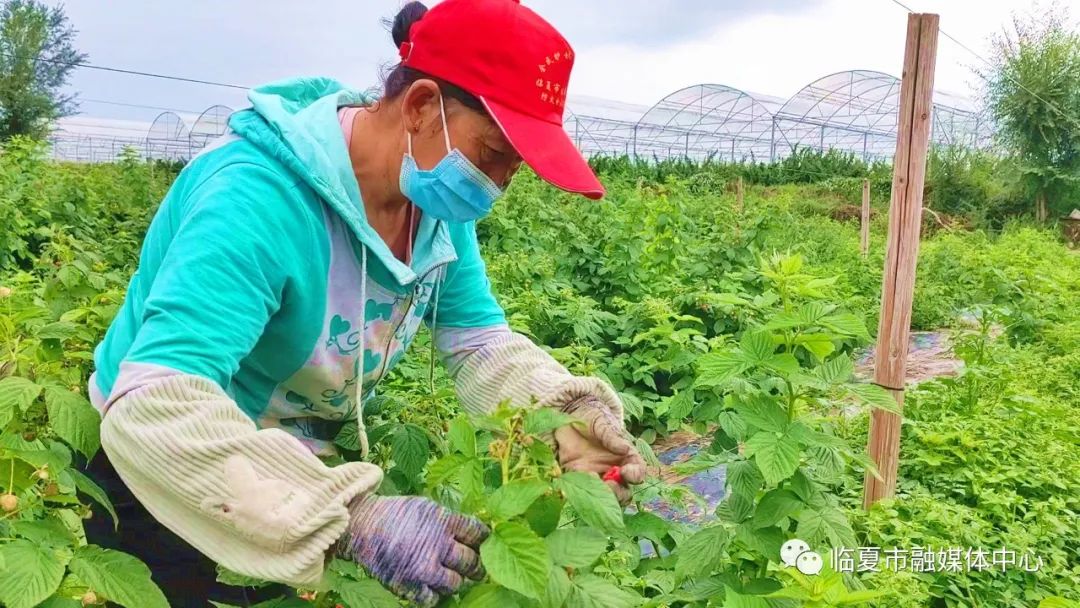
{"x": 413, "y": 546}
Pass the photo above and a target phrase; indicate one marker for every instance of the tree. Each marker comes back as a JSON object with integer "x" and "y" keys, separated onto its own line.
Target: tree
{"x": 1034, "y": 93}
{"x": 37, "y": 56}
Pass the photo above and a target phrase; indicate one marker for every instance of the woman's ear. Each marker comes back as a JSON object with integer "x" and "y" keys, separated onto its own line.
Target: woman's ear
{"x": 420, "y": 106}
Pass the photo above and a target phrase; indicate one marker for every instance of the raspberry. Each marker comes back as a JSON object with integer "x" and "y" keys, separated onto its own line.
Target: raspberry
{"x": 89, "y": 598}
{"x": 614, "y": 474}
{"x": 9, "y": 502}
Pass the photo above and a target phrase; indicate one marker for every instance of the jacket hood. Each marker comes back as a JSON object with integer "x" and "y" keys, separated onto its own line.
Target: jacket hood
{"x": 295, "y": 121}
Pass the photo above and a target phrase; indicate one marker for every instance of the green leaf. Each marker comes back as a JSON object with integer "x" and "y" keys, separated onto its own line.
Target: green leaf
{"x": 837, "y": 370}
{"x": 830, "y": 525}
{"x": 516, "y": 558}
{"x": 736, "y": 508}
{"x": 63, "y": 602}
{"x": 15, "y": 394}
{"x": 444, "y": 469}
{"x": 118, "y": 576}
{"x": 776, "y": 454}
{"x": 59, "y": 330}
{"x": 1056, "y": 602}
{"x": 679, "y": 407}
{"x": 701, "y": 553}
{"x": 847, "y": 324}
{"x": 763, "y": 412}
{"x": 647, "y": 525}
{"x": 348, "y": 438}
{"x": 490, "y": 596}
{"x": 558, "y": 589}
{"x": 633, "y": 406}
{"x": 364, "y": 594}
{"x": 544, "y": 514}
{"x": 87, "y": 486}
{"x": 514, "y": 498}
{"x": 732, "y": 424}
{"x": 234, "y": 579}
{"x": 737, "y": 600}
{"x": 718, "y": 369}
{"x": 784, "y": 320}
{"x": 744, "y": 478}
{"x": 590, "y": 591}
{"x": 812, "y": 312}
{"x": 31, "y": 572}
{"x": 593, "y": 501}
{"x": 44, "y": 532}
{"x": 545, "y": 419}
{"x": 775, "y": 506}
{"x": 74, "y": 420}
{"x": 784, "y": 363}
{"x": 410, "y": 449}
{"x": 576, "y": 547}
{"x": 757, "y": 346}
{"x": 766, "y": 541}
{"x": 462, "y": 436}
{"x": 820, "y": 345}
{"x": 874, "y": 396}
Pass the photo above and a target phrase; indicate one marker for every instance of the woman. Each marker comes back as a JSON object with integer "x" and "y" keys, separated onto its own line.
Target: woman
{"x": 285, "y": 274}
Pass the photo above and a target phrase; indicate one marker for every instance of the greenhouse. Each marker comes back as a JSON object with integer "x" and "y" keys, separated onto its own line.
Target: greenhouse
{"x": 854, "y": 111}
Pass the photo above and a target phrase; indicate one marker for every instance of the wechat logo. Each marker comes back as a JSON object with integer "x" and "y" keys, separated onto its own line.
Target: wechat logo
{"x": 797, "y": 554}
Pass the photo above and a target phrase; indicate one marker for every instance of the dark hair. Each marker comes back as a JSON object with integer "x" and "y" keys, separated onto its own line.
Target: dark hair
{"x": 398, "y": 78}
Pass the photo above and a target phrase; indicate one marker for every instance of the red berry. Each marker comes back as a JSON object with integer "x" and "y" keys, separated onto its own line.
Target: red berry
{"x": 614, "y": 474}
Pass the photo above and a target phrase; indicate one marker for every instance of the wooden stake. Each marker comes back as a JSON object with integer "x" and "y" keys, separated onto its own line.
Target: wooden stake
{"x": 865, "y": 224}
{"x": 905, "y": 219}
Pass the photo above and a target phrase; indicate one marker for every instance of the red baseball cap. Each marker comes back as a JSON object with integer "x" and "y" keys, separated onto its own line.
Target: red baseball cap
{"x": 518, "y": 65}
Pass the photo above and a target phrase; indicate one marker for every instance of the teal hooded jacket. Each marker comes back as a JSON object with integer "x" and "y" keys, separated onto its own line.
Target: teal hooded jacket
{"x": 252, "y": 272}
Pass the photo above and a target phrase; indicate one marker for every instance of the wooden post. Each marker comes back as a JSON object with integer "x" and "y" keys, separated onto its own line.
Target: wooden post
{"x": 905, "y": 219}
{"x": 865, "y": 224}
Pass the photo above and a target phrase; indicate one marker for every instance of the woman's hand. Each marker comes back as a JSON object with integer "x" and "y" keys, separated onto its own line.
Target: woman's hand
{"x": 602, "y": 443}
{"x": 413, "y": 546}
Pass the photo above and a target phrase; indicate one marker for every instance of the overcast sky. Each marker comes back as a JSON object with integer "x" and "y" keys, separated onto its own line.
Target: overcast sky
{"x": 628, "y": 50}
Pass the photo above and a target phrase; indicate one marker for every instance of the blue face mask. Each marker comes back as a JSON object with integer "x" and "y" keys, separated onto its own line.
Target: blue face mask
{"x": 454, "y": 191}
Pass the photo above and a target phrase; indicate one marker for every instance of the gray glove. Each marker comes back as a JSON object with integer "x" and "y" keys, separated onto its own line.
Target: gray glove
{"x": 416, "y": 548}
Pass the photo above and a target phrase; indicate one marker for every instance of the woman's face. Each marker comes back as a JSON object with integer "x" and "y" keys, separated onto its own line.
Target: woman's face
{"x": 472, "y": 132}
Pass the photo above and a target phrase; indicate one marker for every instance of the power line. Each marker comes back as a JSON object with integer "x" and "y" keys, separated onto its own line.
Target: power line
{"x": 135, "y": 105}
{"x": 90, "y": 66}
{"x": 1046, "y": 102}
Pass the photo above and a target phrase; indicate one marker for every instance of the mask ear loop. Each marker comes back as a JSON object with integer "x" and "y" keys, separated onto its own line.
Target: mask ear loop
{"x": 445, "y": 129}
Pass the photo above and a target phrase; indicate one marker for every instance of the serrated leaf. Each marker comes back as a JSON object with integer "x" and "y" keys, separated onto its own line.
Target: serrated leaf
{"x": 775, "y": 506}
{"x": 632, "y": 406}
{"x": 576, "y": 547}
{"x": 718, "y": 369}
{"x": 462, "y": 436}
{"x": 784, "y": 320}
{"x": 591, "y": 591}
{"x": 514, "y": 498}
{"x": 558, "y": 589}
{"x": 444, "y": 469}
{"x": 835, "y": 371}
{"x": 701, "y": 553}
{"x": 812, "y": 312}
{"x": 736, "y": 508}
{"x": 364, "y": 594}
{"x": 874, "y": 396}
{"x": 410, "y": 449}
{"x": 32, "y": 572}
{"x": 118, "y": 576}
{"x": 744, "y": 478}
{"x": 647, "y": 525}
{"x": 820, "y": 345}
{"x": 490, "y": 596}
{"x": 776, "y": 454}
{"x": 15, "y": 394}
{"x": 757, "y": 346}
{"x": 1056, "y": 602}
{"x": 44, "y": 532}
{"x": 593, "y": 501}
{"x": 737, "y": 600}
{"x": 234, "y": 579}
{"x": 74, "y": 420}
{"x": 732, "y": 424}
{"x": 516, "y": 558}
{"x": 846, "y": 324}
{"x": 545, "y": 419}
{"x": 543, "y": 514}
{"x": 59, "y": 330}
{"x": 766, "y": 541}
{"x": 784, "y": 363}
{"x": 828, "y": 525}
{"x": 63, "y": 602}
{"x": 762, "y": 412}
{"x": 679, "y": 407}
{"x": 348, "y": 438}
{"x": 87, "y": 486}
